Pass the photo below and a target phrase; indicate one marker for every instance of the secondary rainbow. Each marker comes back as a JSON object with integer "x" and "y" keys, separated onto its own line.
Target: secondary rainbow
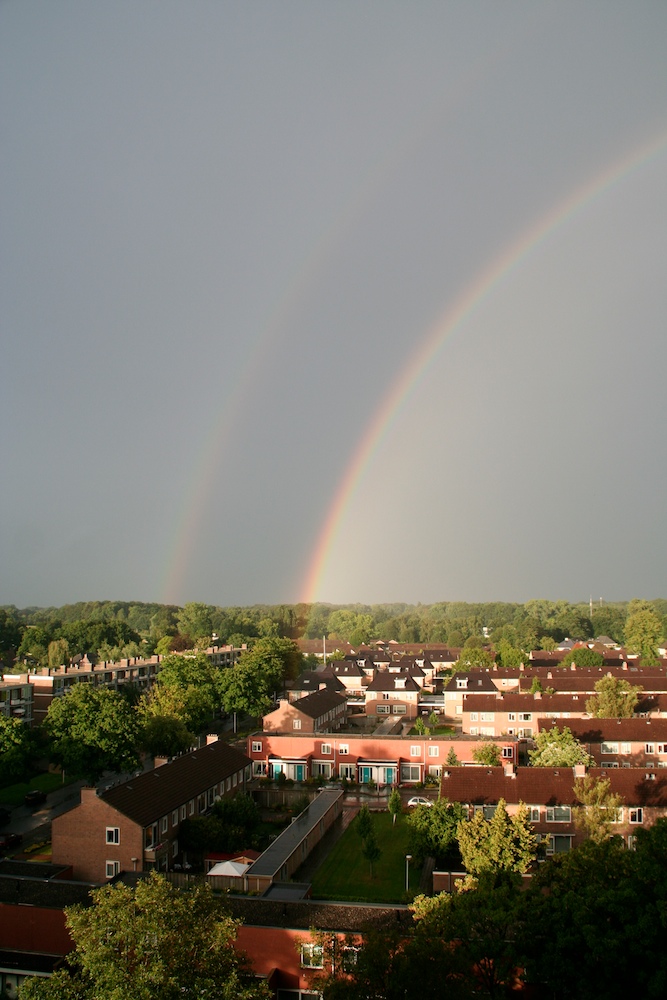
{"x": 448, "y": 323}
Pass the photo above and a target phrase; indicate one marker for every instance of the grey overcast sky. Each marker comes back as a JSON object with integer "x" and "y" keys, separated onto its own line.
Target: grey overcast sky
{"x": 354, "y": 300}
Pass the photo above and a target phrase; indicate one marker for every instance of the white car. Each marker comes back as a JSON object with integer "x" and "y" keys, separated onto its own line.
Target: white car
{"x": 419, "y": 800}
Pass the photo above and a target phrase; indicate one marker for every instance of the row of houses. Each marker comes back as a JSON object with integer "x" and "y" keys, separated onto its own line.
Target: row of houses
{"x": 28, "y": 695}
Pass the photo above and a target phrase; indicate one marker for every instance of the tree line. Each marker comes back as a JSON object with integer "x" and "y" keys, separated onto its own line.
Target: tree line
{"x": 111, "y": 629}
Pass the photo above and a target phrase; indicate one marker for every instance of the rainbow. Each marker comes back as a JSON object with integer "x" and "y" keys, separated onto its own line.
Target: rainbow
{"x": 476, "y": 292}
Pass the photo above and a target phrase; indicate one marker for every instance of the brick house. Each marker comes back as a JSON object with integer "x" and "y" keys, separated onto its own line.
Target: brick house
{"x": 385, "y": 760}
{"x": 516, "y": 714}
{"x": 619, "y": 742}
{"x": 549, "y": 794}
{"x": 134, "y": 826}
{"x": 320, "y": 712}
{"x": 392, "y": 693}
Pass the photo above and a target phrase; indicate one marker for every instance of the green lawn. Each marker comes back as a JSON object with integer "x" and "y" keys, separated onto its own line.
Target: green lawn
{"x": 345, "y": 874}
{"x": 12, "y": 795}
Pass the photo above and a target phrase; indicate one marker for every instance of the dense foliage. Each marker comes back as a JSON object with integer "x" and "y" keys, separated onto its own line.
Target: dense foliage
{"x": 152, "y": 942}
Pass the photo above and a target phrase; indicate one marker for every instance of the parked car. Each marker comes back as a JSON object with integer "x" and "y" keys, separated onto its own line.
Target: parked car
{"x": 419, "y": 800}
{"x": 5, "y": 816}
{"x": 8, "y": 840}
{"x": 34, "y": 797}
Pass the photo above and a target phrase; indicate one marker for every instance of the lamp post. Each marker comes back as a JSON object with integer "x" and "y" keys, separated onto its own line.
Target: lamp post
{"x": 408, "y": 859}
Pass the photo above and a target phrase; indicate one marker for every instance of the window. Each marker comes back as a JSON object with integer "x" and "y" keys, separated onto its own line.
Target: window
{"x": 474, "y": 716}
{"x": 487, "y": 731}
{"x": 191, "y": 807}
{"x": 632, "y": 842}
{"x": 113, "y": 835}
{"x": 534, "y": 814}
{"x": 617, "y": 815}
{"x": 434, "y": 751}
{"x": 256, "y": 746}
{"x": 174, "y": 849}
{"x": 525, "y": 716}
{"x": 508, "y": 753}
{"x": 609, "y": 748}
{"x": 487, "y": 812}
{"x": 174, "y": 818}
{"x": 511, "y": 716}
{"x": 559, "y": 814}
{"x": 410, "y": 772}
{"x": 649, "y": 747}
{"x": 382, "y": 709}
{"x": 296, "y": 724}
{"x": 414, "y": 751}
{"x": 183, "y": 811}
{"x": 344, "y": 748}
{"x": 312, "y": 956}
{"x": 112, "y": 868}
{"x": 636, "y": 815}
{"x": 459, "y": 710}
{"x": 259, "y": 768}
{"x": 201, "y": 803}
{"x": 325, "y": 748}
{"x": 151, "y": 836}
{"x": 488, "y": 716}
{"x": 164, "y": 824}
{"x": 626, "y": 747}
{"x": 662, "y": 747}
{"x": 474, "y": 730}
{"x": 399, "y": 709}
{"x": 349, "y": 956}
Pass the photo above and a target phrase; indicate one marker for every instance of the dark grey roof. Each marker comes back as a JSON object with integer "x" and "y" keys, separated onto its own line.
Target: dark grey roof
{"x": 155, "y": 793}
{"x": 316, "y": 704}
{"x": 282, "y": 848}
{"x": 386, "y": 681}
{"x": 311, "y": 680}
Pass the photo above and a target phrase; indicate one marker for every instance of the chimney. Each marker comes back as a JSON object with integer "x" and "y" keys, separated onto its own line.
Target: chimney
{"x": 579, "y": 770}
{"x": 508, "y": 770}
{"x": 211, "y": 738}
{"x": 159, "y": 762}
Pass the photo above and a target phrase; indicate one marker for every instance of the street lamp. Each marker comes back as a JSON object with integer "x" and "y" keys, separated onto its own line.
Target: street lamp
{"x": 408, "y": 859}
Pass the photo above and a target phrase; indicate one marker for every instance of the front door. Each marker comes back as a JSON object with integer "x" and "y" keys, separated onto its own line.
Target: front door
{"x": 299, "y": 771}
{"x": 366, "y": 774}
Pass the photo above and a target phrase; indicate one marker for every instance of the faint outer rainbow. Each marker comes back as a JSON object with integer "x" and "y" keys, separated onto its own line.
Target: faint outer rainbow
{"x": 463, "y": 306}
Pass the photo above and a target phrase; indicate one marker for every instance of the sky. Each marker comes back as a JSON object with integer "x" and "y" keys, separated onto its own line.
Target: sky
{"x": 351, "y": 301}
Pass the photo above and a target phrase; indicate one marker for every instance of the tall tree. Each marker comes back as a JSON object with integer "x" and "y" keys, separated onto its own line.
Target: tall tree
{"x": 194, "y": 620}
{"x": 558, "y": 748}
{"x": 502, "y": 843}
{"x": 92, "y": 730}
{"x": 17, "y": 748}
{"x": 599, "y": 807}
{"x": 394, "y": 804}
{"x": 643, "y": 631}
{"x": 433, "y": 831}
{"x": 152, "y": 942}
{"x": 614, "y": 698}
{"x": 487, "y": 754}
{"x": 191, "y": 683}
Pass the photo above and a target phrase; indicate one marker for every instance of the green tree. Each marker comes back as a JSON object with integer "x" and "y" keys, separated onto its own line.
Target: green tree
{"x": 58, "y": 652}
{"x": 614, "y": 698}
{"x": 371, "y": 849}
{"x": 92, "y": 730}
{"x": 420, "y": 727}
{"x": 165, "y": 735}
{"x": 643, "y": 631}
{"x": 433, "y": 831}
{"x": 394, "y": 804}
{"x": 151, "y": 942}
{"x": 192, "y": 684}
{"x": 17, "y": 748}
{"x": 502, "y": 843}
{"x": 472, "y": 658}
{"x": 487, "y": 754}
{"x": 558, "y": 748}
{"x": 599, "y": 807}
{"x": 583, "y": 657}
{"x": 364, "y": 822}
{"x": 194, "y": 620}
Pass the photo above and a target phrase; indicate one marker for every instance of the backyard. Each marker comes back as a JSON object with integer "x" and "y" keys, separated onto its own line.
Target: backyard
{"x": 345, "y": 873}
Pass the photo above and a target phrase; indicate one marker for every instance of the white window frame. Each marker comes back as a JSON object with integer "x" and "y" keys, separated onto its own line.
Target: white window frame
{"x": 112, "y": 868}
{"x": 535, "y": 812}
{"x": 312, "y": 955}
{"x": 344, "y": 748}
{"x": 325, "y": 748}
{"x": 636, "y": 815}
{"x": 113, "y": 835}
{"x": 415, "y": 751}
{"x": 474, "y": 716}
{"x": 382, "y": 709}
{"x": 609, "y": 747}
{"x": 433, "y": 751}
{"x": 551, "y": 814}
{"x": 256, "y": 746}
{"x": 296, "y": 723}
{"x": 164, "y": 824}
